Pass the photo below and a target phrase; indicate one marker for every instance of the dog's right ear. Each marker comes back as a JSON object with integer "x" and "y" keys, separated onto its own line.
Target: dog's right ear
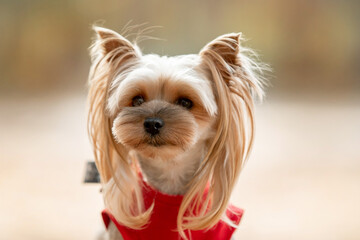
{"x": 110, "y": 53}
{"x": 111, "y": 45}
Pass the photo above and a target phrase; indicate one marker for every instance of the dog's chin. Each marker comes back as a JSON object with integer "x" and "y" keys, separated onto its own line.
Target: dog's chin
{"x": 159, "y": 150}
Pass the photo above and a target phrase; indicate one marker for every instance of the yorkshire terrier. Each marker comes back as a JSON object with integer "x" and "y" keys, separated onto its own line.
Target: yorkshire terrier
{"x": 171, "y": 135}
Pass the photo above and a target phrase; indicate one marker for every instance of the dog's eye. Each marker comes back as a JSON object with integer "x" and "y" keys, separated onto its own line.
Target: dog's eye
{"x": 137, "y": 101}
{"x": 184, "y": 102}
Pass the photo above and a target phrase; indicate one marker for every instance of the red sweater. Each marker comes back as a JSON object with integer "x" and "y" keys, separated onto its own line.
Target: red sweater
{"x": 162, "y": 224}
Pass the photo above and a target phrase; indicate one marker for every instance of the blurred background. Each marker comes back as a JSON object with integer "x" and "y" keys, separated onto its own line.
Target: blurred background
{"x": 303, "y": 178}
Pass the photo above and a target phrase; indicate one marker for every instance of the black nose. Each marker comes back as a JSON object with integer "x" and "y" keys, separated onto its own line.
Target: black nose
{"x": 153, "y": 125}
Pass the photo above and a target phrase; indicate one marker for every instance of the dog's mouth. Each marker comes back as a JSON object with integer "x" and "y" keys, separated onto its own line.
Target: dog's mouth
{"x": 156, "y": 144}
{"x": 156, "y": 141}
{"x": 153, "y": 142}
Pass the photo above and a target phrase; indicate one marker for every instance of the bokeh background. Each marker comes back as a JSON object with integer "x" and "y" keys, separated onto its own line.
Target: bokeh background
{"x": 303, "y": 178}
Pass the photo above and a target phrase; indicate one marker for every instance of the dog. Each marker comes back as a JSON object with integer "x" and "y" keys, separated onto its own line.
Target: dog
{"x": 171, "y": 135}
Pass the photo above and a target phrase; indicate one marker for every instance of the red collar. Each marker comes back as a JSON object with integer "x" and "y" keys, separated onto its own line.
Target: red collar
{"x": 162, "y": 224}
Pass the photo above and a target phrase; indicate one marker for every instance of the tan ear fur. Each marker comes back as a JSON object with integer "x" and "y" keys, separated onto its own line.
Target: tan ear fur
{"x": 113, "y": 45}
{"x": 233, "y": 60}
{"x": 227, "y": 46}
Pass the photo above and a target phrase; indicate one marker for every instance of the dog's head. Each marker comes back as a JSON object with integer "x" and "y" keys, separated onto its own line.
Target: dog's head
{"x": 162, "y": 107}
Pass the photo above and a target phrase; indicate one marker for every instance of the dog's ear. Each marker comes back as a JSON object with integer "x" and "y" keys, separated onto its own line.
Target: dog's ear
{"x": 224, "y": 53}
{"x": 224, "y": 48}
{"x": 111, "y": 45}
{"x": 237, "y": 78}
{"x": 234, "y": 62}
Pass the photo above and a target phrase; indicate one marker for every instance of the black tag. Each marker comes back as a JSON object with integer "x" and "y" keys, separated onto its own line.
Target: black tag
{"x": 91, "y": 175}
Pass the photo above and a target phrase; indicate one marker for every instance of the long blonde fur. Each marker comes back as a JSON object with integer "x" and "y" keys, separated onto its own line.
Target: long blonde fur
{"x": 231, "y": 146}
{"x": 110, "y": 156}
{"x": 234, "y": 83}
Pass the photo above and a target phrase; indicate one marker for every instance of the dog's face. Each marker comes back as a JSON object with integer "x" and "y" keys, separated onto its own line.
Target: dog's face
{"x": 163, "y": 106}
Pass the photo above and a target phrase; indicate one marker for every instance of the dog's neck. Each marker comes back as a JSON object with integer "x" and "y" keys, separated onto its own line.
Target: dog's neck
{"x": 172, "y": 176}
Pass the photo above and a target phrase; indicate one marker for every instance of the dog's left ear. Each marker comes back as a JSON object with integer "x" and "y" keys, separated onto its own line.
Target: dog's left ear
{"x": 224, "y": 53}
{"x": 224, "y": 48}
{"x": 232, "y": 62}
